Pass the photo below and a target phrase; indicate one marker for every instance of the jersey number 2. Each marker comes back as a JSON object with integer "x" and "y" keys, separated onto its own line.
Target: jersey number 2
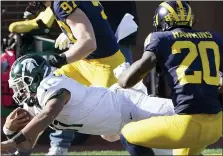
{"x": 196, "y": 78}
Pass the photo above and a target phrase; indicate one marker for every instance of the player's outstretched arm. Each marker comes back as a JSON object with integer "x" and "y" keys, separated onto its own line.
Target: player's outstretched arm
{"x": 48, "y": 114}
{"x": 138, "y": 70}
{"x": 84, "y": 33}
{"x": 27, "y": 136}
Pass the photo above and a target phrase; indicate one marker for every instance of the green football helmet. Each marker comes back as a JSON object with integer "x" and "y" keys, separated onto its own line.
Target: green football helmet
{"x": 25, "y": 76}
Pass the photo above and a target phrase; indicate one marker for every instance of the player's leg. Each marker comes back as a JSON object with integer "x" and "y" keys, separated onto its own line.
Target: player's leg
{"x": 60, "y": 141}
{"x": 73, "y": 71}
{"x": 152, "y": 106}
{"x": 189, "y": 151}
{"x": 100, "y": 71}
{"x": 174, "y": 132}
{"x": 136, "y": 150}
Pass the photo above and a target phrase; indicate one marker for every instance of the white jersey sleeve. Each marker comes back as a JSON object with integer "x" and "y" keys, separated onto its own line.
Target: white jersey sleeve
{"x": 47, "y": 88}
{"x": 52, "y": 84}
{"x": 90, "y": 110}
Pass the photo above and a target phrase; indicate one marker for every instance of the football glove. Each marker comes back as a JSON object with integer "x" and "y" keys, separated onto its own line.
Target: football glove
{"x": 120, "y": 69}
{"x": 62, "y": 42}
{"x": 57, "y": 61}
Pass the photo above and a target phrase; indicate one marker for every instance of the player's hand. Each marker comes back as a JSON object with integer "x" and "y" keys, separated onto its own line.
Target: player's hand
{"x": 15, "y": 122}
{"x": 62, "y": 42}
{"x": 57, "y": 60}
{"x": 7, "y": 145}
{"x": 120, "y": 69}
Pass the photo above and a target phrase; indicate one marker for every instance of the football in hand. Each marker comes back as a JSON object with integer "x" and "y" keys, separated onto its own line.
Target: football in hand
{"x": 17, "y": 121}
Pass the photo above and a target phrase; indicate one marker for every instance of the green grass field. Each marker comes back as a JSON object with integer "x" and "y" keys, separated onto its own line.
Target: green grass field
{"x": 206, "y": 152}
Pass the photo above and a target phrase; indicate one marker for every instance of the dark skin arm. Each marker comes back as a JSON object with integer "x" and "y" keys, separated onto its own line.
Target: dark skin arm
{"x": 40, "y": 122}
{"x": 138, "y": 70}
{"x": 46, "y": 117}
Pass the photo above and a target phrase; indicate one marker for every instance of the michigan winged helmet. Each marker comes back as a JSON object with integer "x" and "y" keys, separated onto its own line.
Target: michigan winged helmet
{"x": 173, "y": 14}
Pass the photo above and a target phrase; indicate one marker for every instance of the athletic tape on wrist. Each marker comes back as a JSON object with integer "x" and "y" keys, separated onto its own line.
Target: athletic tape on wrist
{"x": 19, "y": 138}
{"x": 7, "y": 131}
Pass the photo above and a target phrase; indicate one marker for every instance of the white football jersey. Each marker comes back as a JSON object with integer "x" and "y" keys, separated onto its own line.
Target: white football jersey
{"x": 97, "y": 110}
{"x": 91, "y": 110}
{"x": 32, "y": 110}
{"x": 138, "y": 106}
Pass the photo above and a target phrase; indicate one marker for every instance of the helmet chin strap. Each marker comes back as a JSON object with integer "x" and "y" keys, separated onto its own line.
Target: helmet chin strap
{"x": 31, "y": 101}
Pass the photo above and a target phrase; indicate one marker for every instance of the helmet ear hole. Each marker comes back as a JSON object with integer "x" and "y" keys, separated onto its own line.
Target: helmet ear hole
{"x": 27, "y": 80}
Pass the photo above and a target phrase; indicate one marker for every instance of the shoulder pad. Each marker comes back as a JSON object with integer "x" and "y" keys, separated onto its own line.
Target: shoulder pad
{"x": 48, "y": 87}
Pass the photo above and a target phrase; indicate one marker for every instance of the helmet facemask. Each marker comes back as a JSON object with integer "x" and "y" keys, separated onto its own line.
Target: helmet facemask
{"x": 21, "y": 89}
{"x": 162, "y": 24}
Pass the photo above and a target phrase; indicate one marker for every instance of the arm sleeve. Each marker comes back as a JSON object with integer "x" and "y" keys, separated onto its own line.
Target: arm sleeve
{"x": 45, "y": 95}
{"x": 50, "y": 88}
{"x": 151, "y": 43}
{"x": 63, "y": 9}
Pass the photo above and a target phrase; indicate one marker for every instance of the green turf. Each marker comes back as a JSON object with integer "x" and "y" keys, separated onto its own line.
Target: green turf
{"x": 218, "y": 151}
{"x": 206, "y": 152}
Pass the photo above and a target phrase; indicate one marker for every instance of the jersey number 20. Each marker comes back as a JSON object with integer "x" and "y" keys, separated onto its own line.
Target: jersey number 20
{"x": 194, "y": 50}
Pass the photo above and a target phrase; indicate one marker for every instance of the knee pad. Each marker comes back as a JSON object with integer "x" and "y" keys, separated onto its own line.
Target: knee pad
{"x": 135, "y": 150}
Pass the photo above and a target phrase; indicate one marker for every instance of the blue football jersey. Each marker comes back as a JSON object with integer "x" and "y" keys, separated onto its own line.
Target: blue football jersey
{"x": 191, "y": 60}
{"x": 106, "y": 42}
